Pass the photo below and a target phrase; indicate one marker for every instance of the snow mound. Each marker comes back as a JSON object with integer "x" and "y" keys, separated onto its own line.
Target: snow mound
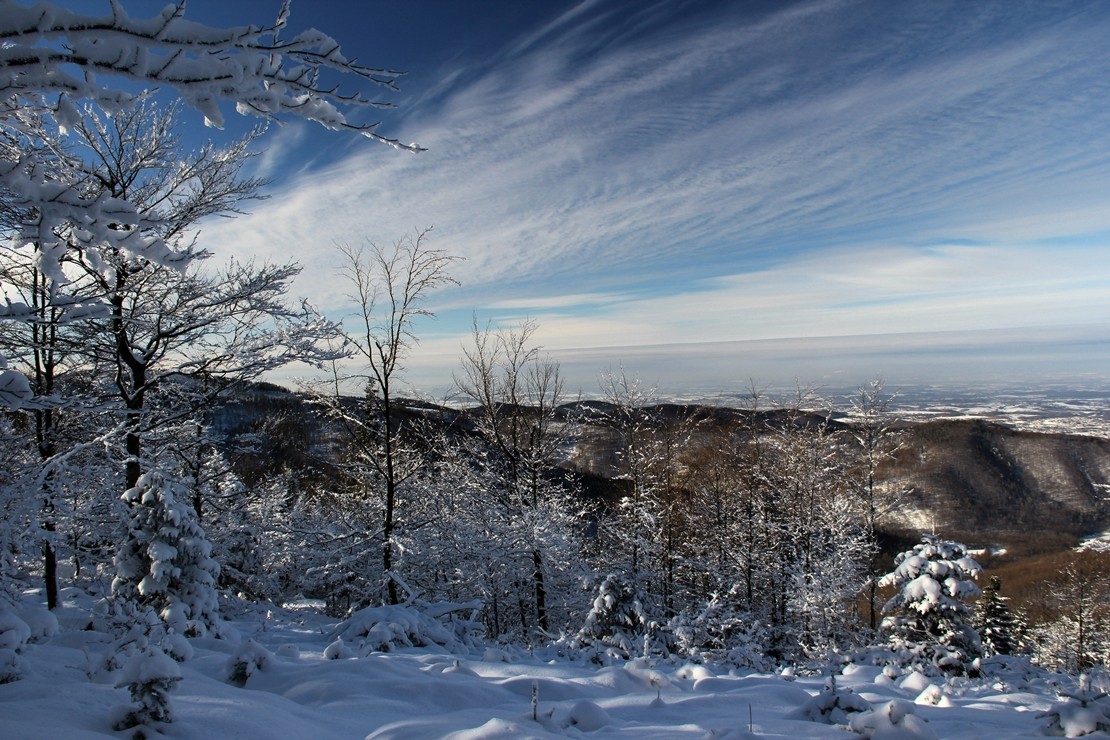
{"x": 338, "y": 650}
{"x": 892, "y": 720}
{"x": 914, "y": 682}
{"x": 249, "y": 659}
{"x": 288, "y": 650}
{"x": 833, "y": 706}
{"x": 587, "y": 716}
{"x": 933, "y": 695}
{"x": 416, "y": 624}
{"x": 14, "y": 632}
{"x": 41, "y": 622}
{"x": 1076, "y": 720}
{"x": 1085, "y": 711}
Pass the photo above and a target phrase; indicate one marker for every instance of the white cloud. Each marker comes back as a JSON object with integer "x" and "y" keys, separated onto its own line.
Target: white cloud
{"x": 702, "y": 178}
{"x": 887, "y": 289}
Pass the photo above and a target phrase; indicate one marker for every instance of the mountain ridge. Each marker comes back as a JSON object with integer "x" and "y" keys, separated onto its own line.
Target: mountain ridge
{"x": 961, "y": 475}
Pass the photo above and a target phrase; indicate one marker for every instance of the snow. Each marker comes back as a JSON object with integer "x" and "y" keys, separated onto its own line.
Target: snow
{"x": 290, "y": 690}
{"x": 150, "y": 666}
{"x": 1095, "y": 543}
{"x": 14, "y": 632}
{"x": 1076, "y": 720}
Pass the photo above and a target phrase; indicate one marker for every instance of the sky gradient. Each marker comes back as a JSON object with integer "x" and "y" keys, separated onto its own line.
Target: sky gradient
{"x": 638, "y": 175}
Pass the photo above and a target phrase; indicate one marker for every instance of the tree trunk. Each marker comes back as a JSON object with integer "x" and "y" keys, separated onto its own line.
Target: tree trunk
{"x": 541, "y": 593}
{"x": 390, "y": 499}
{"x": 132, "y": 387}
{"x": 45, "y": 340}
{"x": 50, "y": 567}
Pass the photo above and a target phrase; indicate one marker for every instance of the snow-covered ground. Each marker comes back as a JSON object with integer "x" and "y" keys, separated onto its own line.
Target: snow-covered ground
{"x": 487, "y": 692}
{"x": 1080, "y": 412}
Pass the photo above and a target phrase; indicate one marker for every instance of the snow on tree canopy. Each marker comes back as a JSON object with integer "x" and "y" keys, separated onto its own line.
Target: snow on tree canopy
{"x": 1002, "y": 631}
{"x": 165, "y": 563}
{"x": 152, "y": 665}
{"x": 931, "y": 622}
{"x": 934, "y": 575}
{"x": 414, "y": 623}
{"x": 53, "y": 57}
{"x": 15, "y": 389}
{"x": 616, "y": 621}
{"x": 149, "y": 677}
{"x": 50, "y": 50}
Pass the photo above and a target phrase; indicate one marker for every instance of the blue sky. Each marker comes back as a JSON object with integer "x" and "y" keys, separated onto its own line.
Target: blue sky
{"x": 637, "y": 175}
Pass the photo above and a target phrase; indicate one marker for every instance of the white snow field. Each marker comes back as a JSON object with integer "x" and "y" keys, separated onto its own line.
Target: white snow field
{"x": 291, "y": 690}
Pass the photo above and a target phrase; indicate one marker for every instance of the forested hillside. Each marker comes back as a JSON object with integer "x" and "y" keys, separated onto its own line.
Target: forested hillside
{"x": 959, "y": 475}
{"x": 969, "y": 476}
{"x": 977, "y": 476}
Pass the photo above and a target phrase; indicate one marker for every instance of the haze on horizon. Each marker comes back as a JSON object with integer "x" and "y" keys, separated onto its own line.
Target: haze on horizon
{"x": 717, "y": 191}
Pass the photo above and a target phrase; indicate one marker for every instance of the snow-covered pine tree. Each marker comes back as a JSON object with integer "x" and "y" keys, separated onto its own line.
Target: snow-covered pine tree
{"x": 165, "y": 563}
{"x": 930, "y": 621}
{"x": 1001, "y": 630}
{"x": 616, "y": 621}
{"x": 835, "y": 705}
{"x": 227, "y": 511}
{"x": 720, "y": 630}
{"x": 149, "y": 677}
{"x": 1080, "y": 712}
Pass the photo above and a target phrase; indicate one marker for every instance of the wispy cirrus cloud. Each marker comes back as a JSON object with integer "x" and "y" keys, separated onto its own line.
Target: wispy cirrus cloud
{"x": 640, "y": 174}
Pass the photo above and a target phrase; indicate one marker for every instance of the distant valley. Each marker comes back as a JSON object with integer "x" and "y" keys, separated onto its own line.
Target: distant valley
{"x": 980, "y": 469}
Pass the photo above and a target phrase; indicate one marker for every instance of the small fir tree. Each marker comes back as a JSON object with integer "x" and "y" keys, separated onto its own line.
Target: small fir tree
{"x": 148, "y": 677}
{"x": 1002, "y": 631}
{"x": 835, "y": 705}
{"x": 1081, "y": 712}
{"x": 165, "y": 562}
{"x": 929, "y": 617}
{"x": 616, "y": 620}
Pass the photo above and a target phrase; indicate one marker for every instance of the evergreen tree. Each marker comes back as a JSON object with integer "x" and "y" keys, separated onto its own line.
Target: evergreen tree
{"x": 931, "y": 620}
{"x": 1001, "y": 630}
{"x": 149, "y": 677}
{"x": 165, "y": 563}
{"x": 616, "y": 620}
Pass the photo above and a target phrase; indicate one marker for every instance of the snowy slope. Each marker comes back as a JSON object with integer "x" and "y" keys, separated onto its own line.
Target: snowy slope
{"x": 427, "y": 692}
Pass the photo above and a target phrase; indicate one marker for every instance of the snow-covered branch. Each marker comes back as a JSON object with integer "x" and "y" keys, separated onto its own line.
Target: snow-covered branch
{"x": 51, "y": 50}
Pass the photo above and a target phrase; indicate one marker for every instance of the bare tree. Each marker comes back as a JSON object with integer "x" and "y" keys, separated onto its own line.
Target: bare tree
{"x": 161, "y": 323}
{"x": 230, "y": 324}
{"x": 877, "y": 437}
{"x": 72, "y": 57}
{"x": 518, "y": 391}
{"x": 390, "y": 289}
{"x": 1079, "y": 637}
{"x": 651, "y": 523}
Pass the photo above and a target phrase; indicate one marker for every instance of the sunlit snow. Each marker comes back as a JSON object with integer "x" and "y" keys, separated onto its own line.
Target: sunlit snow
{"x": 286, "y": 687}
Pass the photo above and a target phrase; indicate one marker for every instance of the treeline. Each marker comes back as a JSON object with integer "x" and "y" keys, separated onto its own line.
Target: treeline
{"x": 751, "y": 535}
